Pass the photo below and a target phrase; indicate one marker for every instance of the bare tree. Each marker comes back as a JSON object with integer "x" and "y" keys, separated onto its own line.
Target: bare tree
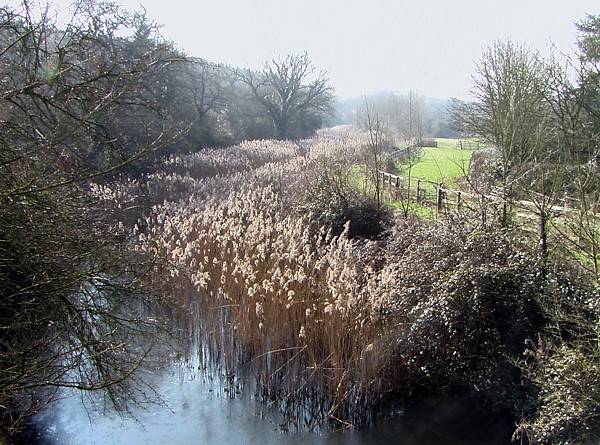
{"x": 76, "y": 104}
{"x": 414, "y": 118}
{"x": 414, "y": 138}
{"x": 374, "y": 150}
{"x": 292, "y": 92}
{"x": 204, "y": 86}
{"x": 198, "y": 91}
{"x": 509, "y": 113}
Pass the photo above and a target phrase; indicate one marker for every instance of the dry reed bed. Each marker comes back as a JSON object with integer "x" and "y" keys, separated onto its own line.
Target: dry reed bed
{"x": 331, "y": 327}
{"x": 290, "y": 301}
{"x": 296, "y": 304}
{"x": 246, "y": 156}
{"x": 195, "y": 176}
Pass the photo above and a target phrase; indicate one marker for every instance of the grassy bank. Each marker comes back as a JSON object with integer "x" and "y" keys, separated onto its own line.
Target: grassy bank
{"x": 444, "y": 163}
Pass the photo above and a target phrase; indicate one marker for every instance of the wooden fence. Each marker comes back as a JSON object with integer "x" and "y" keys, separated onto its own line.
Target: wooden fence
{"x": 541, "y": 217}
{"x": 467, "y": 145}
{"x": 422, "y": 192}
{"x": 432, "y": 194}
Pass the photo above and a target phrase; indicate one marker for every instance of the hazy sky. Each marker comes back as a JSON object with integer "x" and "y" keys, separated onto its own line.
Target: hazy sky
{"x": 371, "y": 45}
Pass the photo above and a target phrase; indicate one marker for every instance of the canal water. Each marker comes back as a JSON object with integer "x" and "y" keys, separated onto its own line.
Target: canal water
{"x": 196, "y": 411}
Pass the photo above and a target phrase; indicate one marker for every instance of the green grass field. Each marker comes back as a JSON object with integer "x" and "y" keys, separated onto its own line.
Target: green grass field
{"x": 418, "y": 210}
{"x": 444, "y": 163}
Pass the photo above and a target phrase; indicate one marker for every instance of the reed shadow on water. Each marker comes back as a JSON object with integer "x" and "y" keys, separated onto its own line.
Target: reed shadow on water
{"x": 199, "y": 412}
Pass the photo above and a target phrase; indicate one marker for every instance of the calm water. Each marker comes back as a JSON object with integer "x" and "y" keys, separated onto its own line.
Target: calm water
{"x": 197, "y": 413}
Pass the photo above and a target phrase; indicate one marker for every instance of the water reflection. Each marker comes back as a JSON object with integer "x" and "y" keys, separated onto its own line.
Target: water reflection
{"x": 198, "y": 413}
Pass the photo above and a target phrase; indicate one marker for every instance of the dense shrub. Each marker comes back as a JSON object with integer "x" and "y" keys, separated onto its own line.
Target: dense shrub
{"x": 462, "y": 298}
{"x": 358, "y": 215}
{"x": 563, "y": 364}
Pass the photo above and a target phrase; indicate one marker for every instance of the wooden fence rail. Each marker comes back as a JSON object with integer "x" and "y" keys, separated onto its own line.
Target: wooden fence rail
{"x": 436, "y": 195}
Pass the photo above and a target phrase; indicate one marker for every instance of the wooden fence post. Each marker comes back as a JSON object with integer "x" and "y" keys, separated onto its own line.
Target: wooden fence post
{"x": 440, "y": 197}
{"x": 458, "y": 202}
{"x": 418, "y": 190}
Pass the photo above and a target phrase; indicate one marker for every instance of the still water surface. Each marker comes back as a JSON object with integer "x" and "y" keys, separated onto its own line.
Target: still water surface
{"x": 197, "y": 413}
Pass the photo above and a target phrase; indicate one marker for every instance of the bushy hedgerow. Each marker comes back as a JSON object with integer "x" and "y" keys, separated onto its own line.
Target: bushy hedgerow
{"x": 463, "y": 299}
{"x": 563, "y": 364}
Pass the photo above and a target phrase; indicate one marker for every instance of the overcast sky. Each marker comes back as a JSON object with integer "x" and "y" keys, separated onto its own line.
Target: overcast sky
{"x": 371, "y": 45}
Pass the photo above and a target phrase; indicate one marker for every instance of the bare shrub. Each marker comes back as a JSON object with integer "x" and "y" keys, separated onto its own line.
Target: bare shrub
{"x": 328, "y": 192}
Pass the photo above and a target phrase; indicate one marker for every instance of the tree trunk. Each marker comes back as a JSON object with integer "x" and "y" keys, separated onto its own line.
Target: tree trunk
{"x": 543, "y": 234}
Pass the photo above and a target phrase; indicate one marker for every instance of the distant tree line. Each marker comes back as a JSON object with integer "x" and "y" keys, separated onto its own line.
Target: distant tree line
{"x": 394, "y": 108}
{"x": 287, "y": 99}
{"x": 211, "y": 104}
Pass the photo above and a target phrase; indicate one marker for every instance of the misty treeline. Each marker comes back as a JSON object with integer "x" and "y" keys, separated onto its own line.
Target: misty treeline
{"x": 212, "y": 104}
{"x": 401, "y": 113}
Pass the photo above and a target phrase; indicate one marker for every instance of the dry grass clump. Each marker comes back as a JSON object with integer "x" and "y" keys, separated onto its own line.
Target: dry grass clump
{"x": 200, "y": 175}
{"x": 289, "y": 301}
